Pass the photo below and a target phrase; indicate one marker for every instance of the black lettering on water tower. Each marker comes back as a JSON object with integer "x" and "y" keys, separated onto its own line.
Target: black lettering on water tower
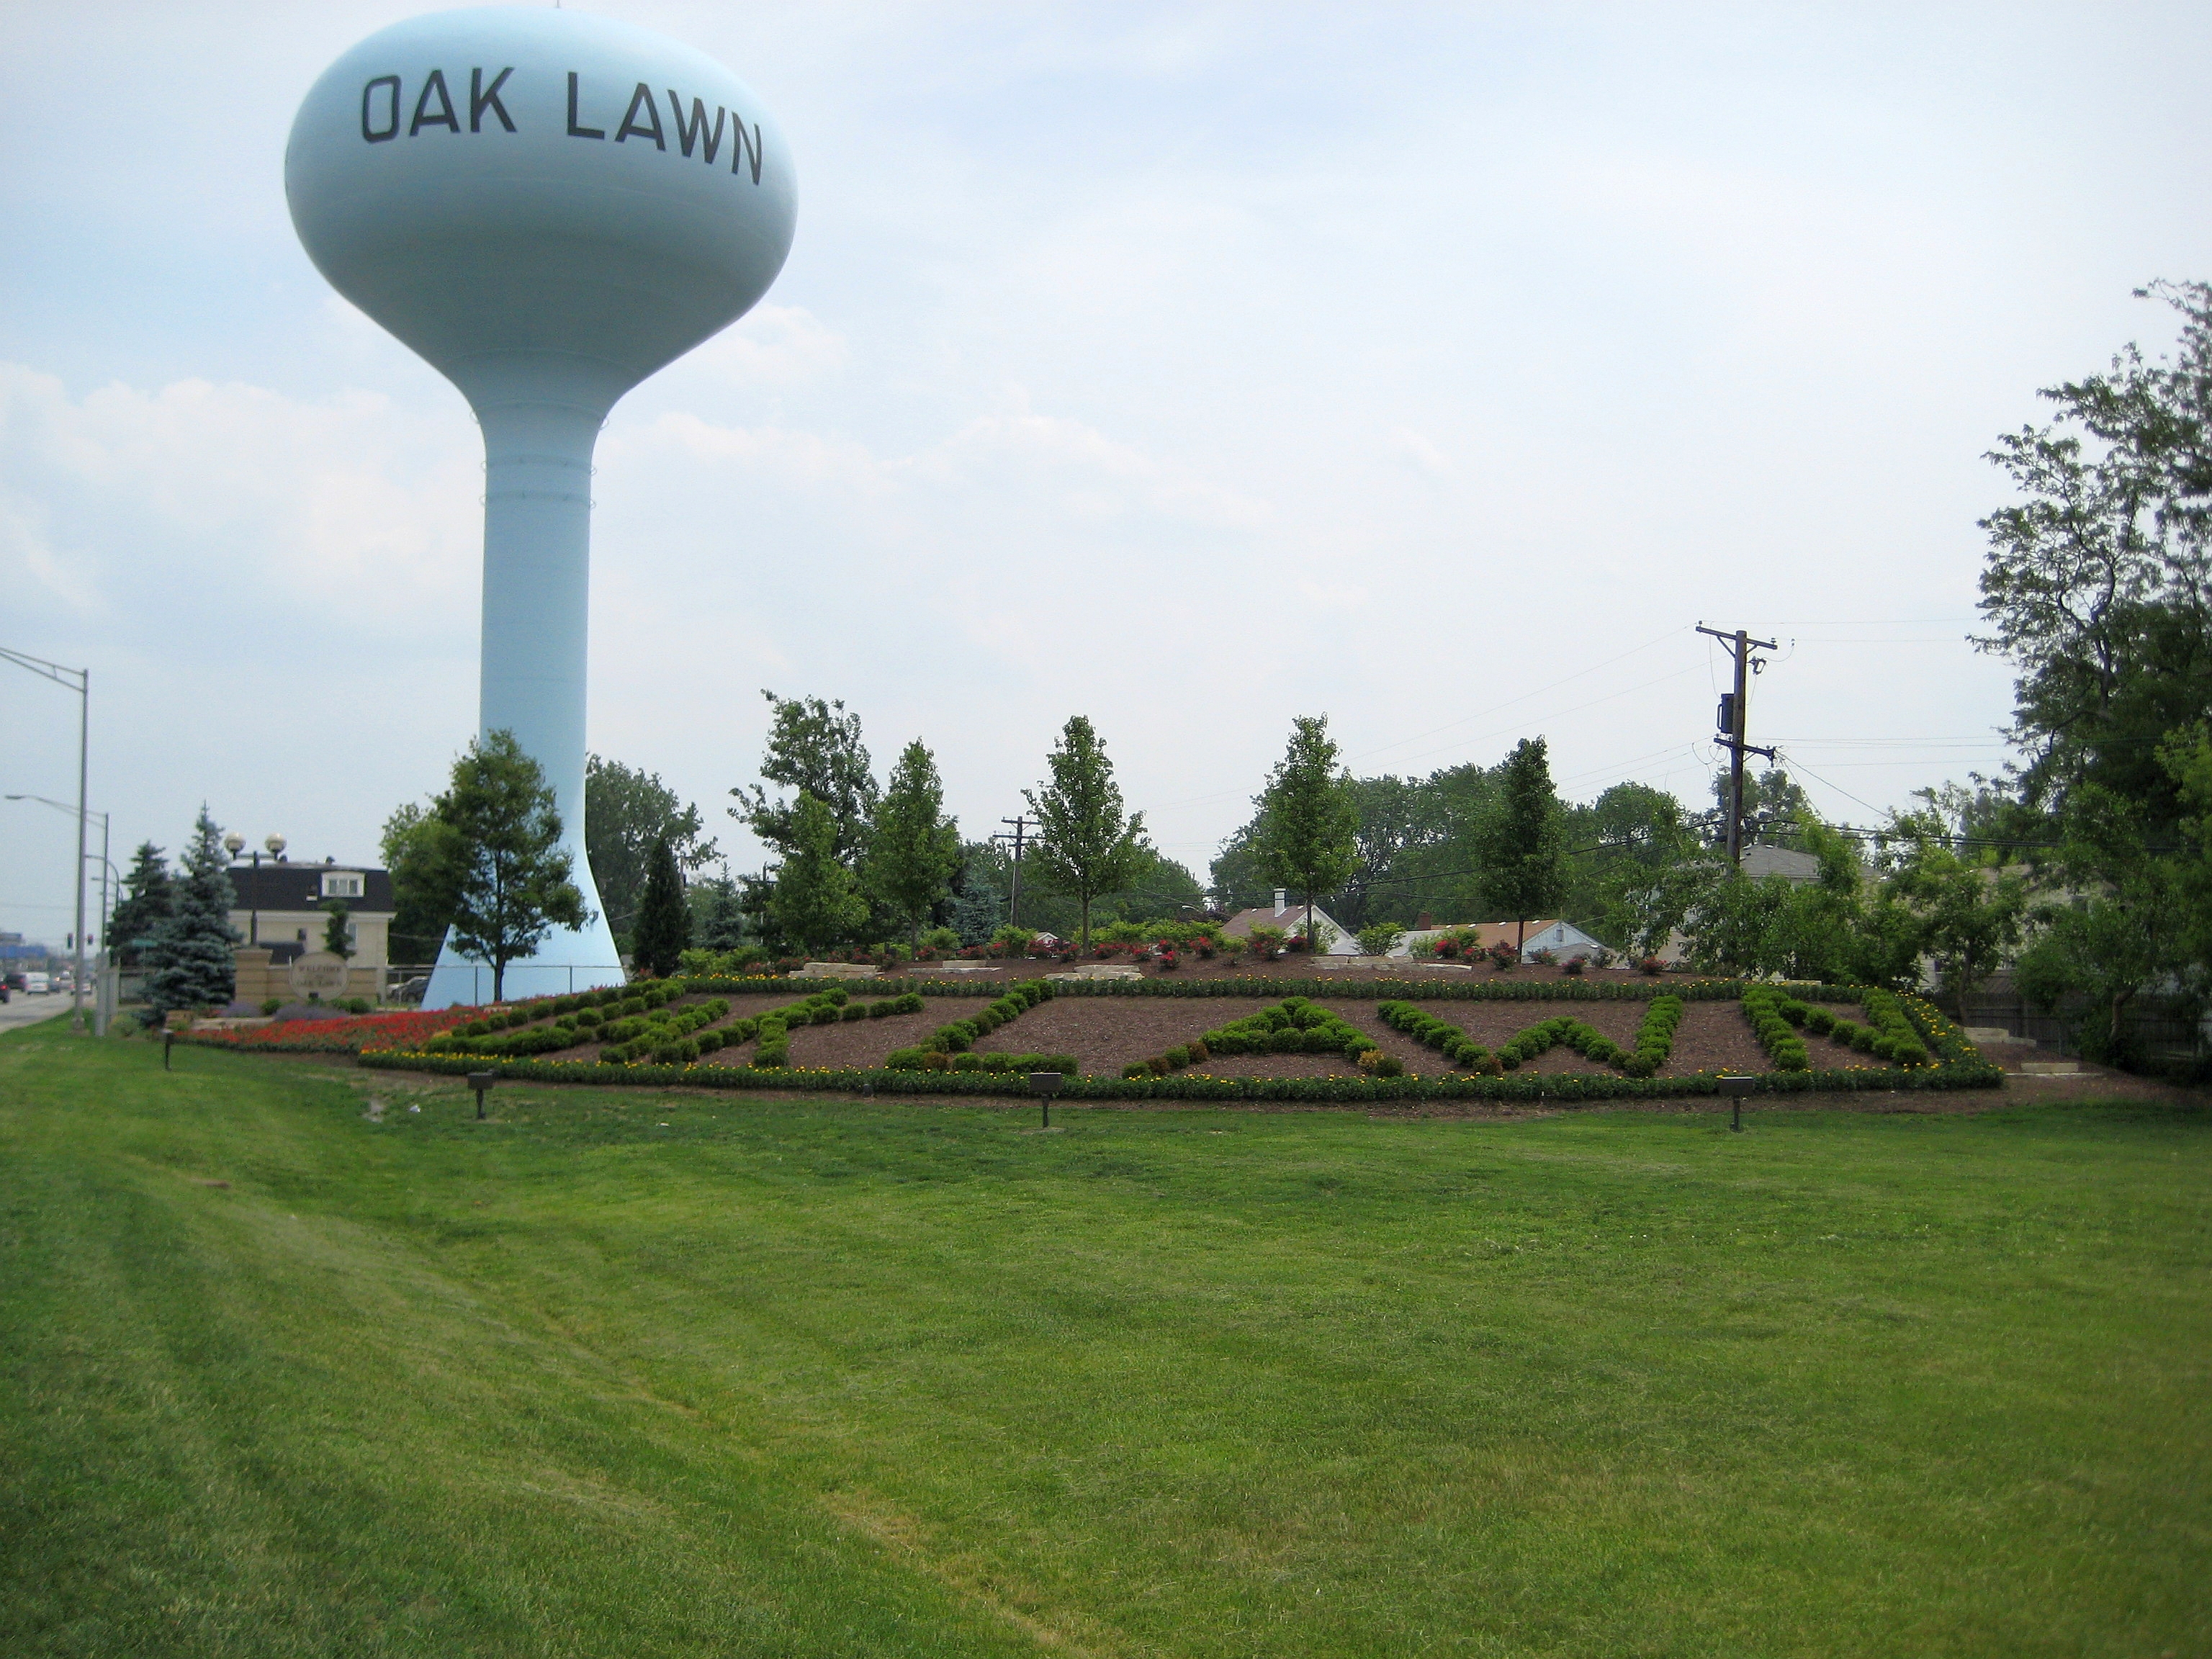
{"x": 629, "y": 126}
{"x": 575, "y": 131}
{"x": 687, "y": 137}
{"x": 483, "y": 98}
{"x": 747, "y": 149}
{"x": 391, "y": 128}
{"x": 443, "y": 116}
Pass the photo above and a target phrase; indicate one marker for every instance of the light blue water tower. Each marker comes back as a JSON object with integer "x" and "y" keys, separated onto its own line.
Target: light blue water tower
{"x": 547, "y": 206}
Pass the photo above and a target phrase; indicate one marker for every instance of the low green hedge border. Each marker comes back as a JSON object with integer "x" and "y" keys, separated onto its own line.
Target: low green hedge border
{"x": 1197, "y": 1086}
{"x": 1274, "y": 990}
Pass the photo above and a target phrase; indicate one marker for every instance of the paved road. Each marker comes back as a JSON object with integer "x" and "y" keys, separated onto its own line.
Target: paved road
{"x": 22, "y": 1010}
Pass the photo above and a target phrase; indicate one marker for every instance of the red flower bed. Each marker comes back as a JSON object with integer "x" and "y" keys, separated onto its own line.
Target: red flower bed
{"x": 341, "y": 1036}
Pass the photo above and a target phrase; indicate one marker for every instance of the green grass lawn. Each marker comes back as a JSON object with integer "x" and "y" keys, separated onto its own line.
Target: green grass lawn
{"x": 619, "y": 1374}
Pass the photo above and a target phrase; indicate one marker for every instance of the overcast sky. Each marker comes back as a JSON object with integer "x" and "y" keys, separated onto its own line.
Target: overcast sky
{"x": 1187, "y": 366}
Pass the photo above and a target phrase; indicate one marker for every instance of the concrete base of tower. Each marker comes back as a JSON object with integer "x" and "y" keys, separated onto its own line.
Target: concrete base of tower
{"x": 575, "y": 959}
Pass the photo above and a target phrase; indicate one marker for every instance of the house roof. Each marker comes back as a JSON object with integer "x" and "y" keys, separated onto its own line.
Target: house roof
{"x": 1287, "y": 917}
{"x": 1489, "y": 934}
{"x": 272, "y": 886}
{"x": 1760, "y": 859}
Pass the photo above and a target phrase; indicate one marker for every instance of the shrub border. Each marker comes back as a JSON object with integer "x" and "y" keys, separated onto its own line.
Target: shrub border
{"x": 1342, "y": 1091}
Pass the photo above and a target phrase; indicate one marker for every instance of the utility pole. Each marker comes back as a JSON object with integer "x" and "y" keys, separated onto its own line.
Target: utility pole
{"x": 62, "y": 677}
{"x": 1021, "y": 822}
{"x": 1732, "y": 721}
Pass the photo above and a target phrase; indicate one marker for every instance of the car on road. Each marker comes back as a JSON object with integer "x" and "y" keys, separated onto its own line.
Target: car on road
{"x": 36, "y": 985}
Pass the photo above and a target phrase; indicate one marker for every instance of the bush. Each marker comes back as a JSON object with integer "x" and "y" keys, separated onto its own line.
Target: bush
{"x": 270, "y": 1005}
{"x": 1376, "y": 1063}
{"x": 1574, "y": 966}
{"x": 1447, "y": 1040}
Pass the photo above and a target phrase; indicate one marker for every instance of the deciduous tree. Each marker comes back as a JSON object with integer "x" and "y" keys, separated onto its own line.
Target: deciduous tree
{"x": 815, "y": 747}
{"x": 1309, "y": 820}
{"x": 1522, "y": 842}
{"x": 496, "y": 865}
{"x": 914, "y": 850}
{"x": 1086, "y": 844}
{"x": 626, "y": 813}
{"x": 421, "y": 904}
{"x": 817, "y": 901}
{"x": 2098, "y": 584}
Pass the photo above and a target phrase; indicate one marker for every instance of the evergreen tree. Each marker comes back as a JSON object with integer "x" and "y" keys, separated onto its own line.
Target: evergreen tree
{"x": 816, "y": 900}
{"x": 664, "y": 920}
{"x": 148, "y": 898}
{"x": 1309, "y": 821}
{"x": 626, "y": 812}
{"x": 191, "y": 956}
{"x": 1521, "y": 841}
{"x": 718, "y": 913}
{"x": 977, "y": 910}
{"x": 915, "y": 848}
{"x": 495, "y": 863}
{"x": 1085, "y": 846}
{"x": 338, "y": 937}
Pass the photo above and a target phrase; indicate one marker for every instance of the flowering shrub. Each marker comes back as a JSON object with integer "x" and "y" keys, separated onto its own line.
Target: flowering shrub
{"x": 407, "y": 1029}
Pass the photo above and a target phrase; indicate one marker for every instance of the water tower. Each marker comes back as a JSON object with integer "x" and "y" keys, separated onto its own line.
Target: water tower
{"x": 548, "y": 206}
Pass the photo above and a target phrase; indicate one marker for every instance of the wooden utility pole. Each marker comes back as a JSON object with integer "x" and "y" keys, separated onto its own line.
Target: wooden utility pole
{"x": 1021, "y": 822}
{"x": 1732, "y": 721}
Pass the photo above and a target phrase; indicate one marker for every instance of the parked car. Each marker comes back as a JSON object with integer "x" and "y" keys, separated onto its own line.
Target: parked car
{"x": 36, "y": 985}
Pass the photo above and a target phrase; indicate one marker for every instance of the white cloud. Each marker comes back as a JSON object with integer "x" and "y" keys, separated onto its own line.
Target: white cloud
{"x": 1117, "y": 347}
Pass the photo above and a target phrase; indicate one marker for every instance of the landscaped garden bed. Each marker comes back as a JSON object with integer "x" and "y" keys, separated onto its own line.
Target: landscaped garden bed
{"x": 1467, "y": 1038}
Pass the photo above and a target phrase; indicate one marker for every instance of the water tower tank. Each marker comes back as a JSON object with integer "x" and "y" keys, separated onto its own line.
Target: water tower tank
{"x": 548, "y": 206}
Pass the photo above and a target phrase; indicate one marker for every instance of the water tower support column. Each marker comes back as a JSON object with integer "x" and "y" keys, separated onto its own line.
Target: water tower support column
{"x": 537, "y": 534}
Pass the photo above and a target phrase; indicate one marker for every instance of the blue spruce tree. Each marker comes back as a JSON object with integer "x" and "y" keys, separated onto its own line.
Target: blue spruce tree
{"x": 193, "y": 963}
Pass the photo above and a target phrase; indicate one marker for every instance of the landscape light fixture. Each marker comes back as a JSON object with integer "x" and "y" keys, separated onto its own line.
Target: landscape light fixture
{"x": 1736, "y": 1088}
{"x": 547, "y": 206}
{"x": 1044, "y": 1085}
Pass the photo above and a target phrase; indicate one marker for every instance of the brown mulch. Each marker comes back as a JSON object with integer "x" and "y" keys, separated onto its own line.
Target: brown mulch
{"x": 866, "y": 1042}
{"x": 1104, "y": 1034}
{"x": 998, "y": 974}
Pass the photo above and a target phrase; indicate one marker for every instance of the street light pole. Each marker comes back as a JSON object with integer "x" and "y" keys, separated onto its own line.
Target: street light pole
{"x": 106, "y": 864}
{"x": 61, "y": 676}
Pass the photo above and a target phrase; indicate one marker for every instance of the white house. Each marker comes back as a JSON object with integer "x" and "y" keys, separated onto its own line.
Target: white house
{"x": 1292, "y": 918}
{"x": 1562, "y": 938}
{"x": 278, "y": 907}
